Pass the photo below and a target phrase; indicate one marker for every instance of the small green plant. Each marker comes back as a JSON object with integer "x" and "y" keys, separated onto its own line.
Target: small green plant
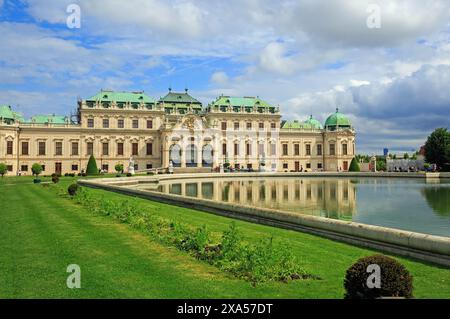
{"x": 3, "y": 169}
{"x": 73, "y": 189}
{"x": 91, "y": 168}
{"x": 395, "y": 280}
{"x": 55, "y": 178}
{"x": 119, "y": 168}
{"x": 36, "y": 169}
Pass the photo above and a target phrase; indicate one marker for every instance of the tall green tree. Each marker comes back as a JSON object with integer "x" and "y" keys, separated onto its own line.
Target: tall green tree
{"x": 437, "y": 147}
{"x": 354, "y": 166}
{"x": 91, "y": 168}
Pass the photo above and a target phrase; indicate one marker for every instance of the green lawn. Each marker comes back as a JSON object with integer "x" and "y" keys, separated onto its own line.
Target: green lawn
{"x": 41, "y": 233}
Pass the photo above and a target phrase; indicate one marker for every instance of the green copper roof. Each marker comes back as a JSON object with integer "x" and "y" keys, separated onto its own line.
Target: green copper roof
{"x": 6, "y": 112}
{"x": 180, "y": 98}
{"x": 44, "y": 119}
{"x": 313, "y": 123}
{"x": 240, "y": 101}
{"x": 309, "y": 124}
{"x": 337, "y": 120}
{"x": 132, "y": 97}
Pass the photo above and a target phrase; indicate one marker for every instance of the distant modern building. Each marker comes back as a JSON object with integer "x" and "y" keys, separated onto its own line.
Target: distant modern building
{"x": 242, "y": 132}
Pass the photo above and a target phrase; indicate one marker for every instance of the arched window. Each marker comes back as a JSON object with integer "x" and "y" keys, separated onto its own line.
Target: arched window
{"x": 191, "y": 156}
{"x": 207, "y": 155}
{"x": 175, "y": 155}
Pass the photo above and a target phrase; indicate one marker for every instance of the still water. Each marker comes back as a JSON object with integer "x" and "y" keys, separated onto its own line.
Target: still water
{"x": 410, "y": 204}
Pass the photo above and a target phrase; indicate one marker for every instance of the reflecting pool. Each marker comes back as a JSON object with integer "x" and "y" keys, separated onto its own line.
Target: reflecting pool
{"x": 410, "y": 204}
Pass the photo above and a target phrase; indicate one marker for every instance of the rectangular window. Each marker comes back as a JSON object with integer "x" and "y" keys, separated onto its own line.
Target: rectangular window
{"x": 105, "y": 167}
{"x": 296, "y": 149}
{"x": 58, "y": 148}
{"x": 90, "y": 123}
{"x": 25, "y": 148}
{"x": 319, "y": 165}
{"x": 119, "y": 148}
{"x": 149, "y": 166}
{"x": 285, "y": 166}
{"x": 285, "y": 150}
{"x": 261, "y": 125}
{"x": 105, "y": 123}
{"x": 273, "y": 126}
{"x": 43, "y": 168}
{"x": 134, "y": 149}
{"x": 120, "y": 123}
{"x": 332, "y": 149}
{"x": 319, "y": 149}
{"x": 344, "y": 149}
{"x": 308, "y": 165}
{"x": 24, "y": 168}
{"x": 308, "y": 149}
{"x": 248, "y": 149}
{"x": 9, "y": 147}
{"x": 260, "y": 149}
{"x": 236, "y": 126}
{"x": 224, "y": 126}
{"x": 105, "y": 149}
{"x": 41, "y": 148}
{"x": 9, "y": 168}
{"x": 236, "y": 149}
{"x": 90, "y": 148}
{"x": 273, "y": 149}
{"x": 224, "y": 149}
{"x": 149, "y": 148}
{"x": 75, "y": 148}
{"x": 74, "y": 167}
{"x": 135, "y": 123}
{"x": 249, "y": 125}
{"x": 149, "y": 124}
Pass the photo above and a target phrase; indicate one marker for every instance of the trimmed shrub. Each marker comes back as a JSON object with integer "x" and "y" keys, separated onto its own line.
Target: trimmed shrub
{"x": 395, "y": 279}
{"x": 73, "y": 189}
{"x": 119, "y": 168}
{"x": 354, "y": 166}
{"x": 55, "y": 179}
{"x": 3, "y": 169}
{"x": 91, "y": 168}
{"x": 36, "y": 169}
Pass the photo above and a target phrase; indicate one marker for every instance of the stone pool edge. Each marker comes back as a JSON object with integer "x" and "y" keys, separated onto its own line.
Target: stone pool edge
{"x": 430, "y": 248}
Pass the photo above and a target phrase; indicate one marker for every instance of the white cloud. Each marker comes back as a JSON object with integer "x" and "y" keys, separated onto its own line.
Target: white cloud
{"x": 219, "y": 78}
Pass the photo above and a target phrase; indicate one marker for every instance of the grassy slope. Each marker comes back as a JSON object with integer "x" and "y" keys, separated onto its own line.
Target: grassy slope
{"x": 40, "y": 234}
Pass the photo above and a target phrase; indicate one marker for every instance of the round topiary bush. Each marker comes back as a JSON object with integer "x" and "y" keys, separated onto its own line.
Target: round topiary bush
{"x": 73, "y": 189}
{"x": 55, "y": 178}
{"x": 395, "y": 280}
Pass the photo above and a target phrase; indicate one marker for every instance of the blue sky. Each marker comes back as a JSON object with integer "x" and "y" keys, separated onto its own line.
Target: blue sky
{"x": 308, "y": 56}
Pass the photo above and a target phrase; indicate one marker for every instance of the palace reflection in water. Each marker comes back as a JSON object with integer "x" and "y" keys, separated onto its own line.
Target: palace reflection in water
{"x": 412, "y": 204}
{"x": 328, "y": 198}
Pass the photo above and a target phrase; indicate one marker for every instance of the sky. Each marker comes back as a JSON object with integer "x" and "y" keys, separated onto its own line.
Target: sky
{"x": 385, "y": 64}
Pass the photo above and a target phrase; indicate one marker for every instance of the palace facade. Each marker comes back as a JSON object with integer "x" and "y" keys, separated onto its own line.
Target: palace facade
{"x": 240, "y": 132}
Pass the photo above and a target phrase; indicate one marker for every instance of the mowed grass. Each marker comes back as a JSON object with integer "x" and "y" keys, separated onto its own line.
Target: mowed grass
{"x": 42, "y": 233}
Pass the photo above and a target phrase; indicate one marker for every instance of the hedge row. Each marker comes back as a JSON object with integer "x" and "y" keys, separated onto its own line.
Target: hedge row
{"x": 255, "y": 262}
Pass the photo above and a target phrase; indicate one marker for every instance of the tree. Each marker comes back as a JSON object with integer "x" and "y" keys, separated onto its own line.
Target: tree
{"x": 91, "y": 168}
{"x": 119, "y": 168}
{"x": 437, "y": 147}
{"x": 406, "y": 156}
{"x": 381, "y": 165}
{"x": 354, "y": 166}
{"x": 36, "y": 169}
{"x": 3, "y": 169}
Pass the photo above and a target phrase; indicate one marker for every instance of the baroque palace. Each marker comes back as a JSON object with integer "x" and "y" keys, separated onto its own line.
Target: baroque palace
{"x": 176, "y": 130}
